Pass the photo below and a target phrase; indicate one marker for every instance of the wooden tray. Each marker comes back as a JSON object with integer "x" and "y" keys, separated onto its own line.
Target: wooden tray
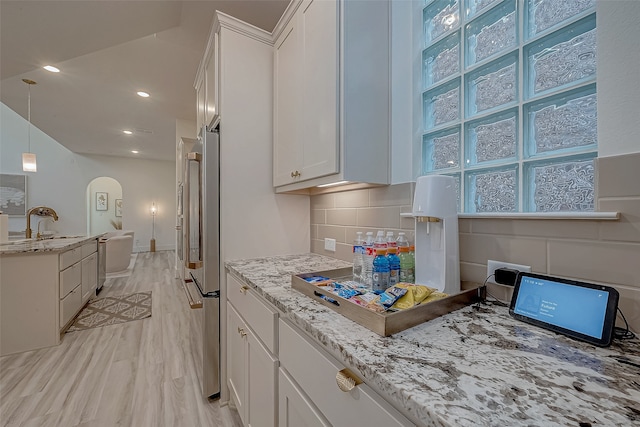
{"x": 388, "y": 323}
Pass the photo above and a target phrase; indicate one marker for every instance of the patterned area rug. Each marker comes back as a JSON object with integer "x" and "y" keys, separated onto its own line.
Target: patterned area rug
{"x": 113, "y": 310}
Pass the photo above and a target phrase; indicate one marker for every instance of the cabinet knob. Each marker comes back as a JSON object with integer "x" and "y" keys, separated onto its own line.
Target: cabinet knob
{"x": 242, "y": 332}
{"x": 295, "y": 174}
{"x": 244, "y": 289}
{"x": 346, "y": 380}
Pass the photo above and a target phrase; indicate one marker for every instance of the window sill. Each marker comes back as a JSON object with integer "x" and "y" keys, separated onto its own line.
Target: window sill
{"x": 594, "y": 216}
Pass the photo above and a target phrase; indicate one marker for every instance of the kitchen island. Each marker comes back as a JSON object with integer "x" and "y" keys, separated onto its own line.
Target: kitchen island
{"x": 475, "y": 366}
{"x": 43, "y": 285}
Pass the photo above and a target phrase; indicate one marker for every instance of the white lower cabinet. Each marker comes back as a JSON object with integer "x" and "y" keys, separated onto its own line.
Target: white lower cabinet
{"x": 236, "y": 360}
{"x": 278, "y": 376}
{"x": 295, "y": 408}
{"x": 316, "y": 372}
{"x": 252, "y": 371}
{"x": 89, "y": 276}
{"x": 78, "y": 279}
{"x": 262, "y": 369}
{"x": 70, "y": 305}
{"x": 40, "y": 292}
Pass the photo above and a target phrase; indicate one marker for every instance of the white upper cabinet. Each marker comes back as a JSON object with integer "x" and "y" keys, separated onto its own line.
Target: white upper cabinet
{"x": 200, "y": 101}
{"x": 287, "y": 102}
{"x": 207, "y": 82}
{"x": 331, "y": 94}
{"x": 318, "y": 29}
{"x": 211, "y": 73}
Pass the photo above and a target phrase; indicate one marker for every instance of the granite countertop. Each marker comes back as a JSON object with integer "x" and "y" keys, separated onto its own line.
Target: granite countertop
{"x": 474, "y": 367}
{"x": 57, "y": 244}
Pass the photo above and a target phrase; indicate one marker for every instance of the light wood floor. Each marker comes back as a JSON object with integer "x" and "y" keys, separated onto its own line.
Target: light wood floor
{"x": 138, "y": 373}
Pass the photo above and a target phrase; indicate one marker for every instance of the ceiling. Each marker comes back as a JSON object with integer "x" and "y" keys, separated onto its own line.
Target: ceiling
{"x": 107, "y": 51}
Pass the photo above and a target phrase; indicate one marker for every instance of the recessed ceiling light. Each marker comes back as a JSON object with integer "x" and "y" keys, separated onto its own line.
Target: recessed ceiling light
{"x": 51, "y": 68}
{"x": 135, "y": 151}
{"x": 128, "y": 132}
{"x": 143, "y": 94}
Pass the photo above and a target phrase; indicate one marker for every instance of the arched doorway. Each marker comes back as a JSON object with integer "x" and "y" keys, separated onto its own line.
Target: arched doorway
{"x": 104, "y": 205}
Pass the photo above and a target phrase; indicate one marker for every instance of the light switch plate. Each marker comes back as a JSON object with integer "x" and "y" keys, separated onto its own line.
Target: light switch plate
{"x": 329, "y": 244}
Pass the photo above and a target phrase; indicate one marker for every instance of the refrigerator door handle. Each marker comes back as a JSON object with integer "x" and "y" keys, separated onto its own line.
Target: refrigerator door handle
{"x": 189, "y": 262}
{"x": 194, "y": 303}
{"x": 212, "y": 294}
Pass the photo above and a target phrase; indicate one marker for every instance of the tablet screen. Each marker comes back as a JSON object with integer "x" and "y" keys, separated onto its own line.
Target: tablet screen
{"x": 580, "y": 310}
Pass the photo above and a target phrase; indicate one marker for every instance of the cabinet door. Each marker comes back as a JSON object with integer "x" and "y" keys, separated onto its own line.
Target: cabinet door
{"x": 261, "y": 379}
{"x": 200, "y": 103}
{"x": 236, "y": 360}
{"x": 287, "y": 97}
{"x": 212, "y": 77}
{"x": 89, "y": 276}
{"x": 319, "y": 26}
{"x": 294, "y": 408}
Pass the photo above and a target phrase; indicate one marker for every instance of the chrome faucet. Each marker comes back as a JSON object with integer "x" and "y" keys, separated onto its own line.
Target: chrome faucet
{"x": 40, "y": 211}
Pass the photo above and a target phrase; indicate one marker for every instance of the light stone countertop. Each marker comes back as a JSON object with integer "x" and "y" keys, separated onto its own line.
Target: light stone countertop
{"x": 474, "y": 367}
{"x": 57, "y": 244}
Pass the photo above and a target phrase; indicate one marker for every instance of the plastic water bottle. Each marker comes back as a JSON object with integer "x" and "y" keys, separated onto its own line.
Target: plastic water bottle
{"x": 391, "y": 241}
{"x": 380, "y": 242}
{"x": 406, "y": 265}
{"x": 358, "y": 255}
{"x": 394, "y": 266}
{"x": 380, "y": 272}
{"x": 402, "y": 240}
{"x": 368, "y": 256}
{"x": 412, "y": 262}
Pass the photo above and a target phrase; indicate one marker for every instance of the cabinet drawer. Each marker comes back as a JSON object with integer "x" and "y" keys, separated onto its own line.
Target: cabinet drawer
{"x": 259, "y": 317}
{"x": 70, "y": 257}
{"x": 315, "y": 371}
{"x": 69, "y": 279}
{"x": 89, "y": 248}
{"x": 295, "y": 409}
{"x": 70, "y": 305}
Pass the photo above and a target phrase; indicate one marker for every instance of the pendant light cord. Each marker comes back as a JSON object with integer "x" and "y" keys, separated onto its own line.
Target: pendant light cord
{"x": 29, "y": 118}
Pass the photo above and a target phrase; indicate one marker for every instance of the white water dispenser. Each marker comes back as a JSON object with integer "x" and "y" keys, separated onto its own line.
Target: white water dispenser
{"x": 436, "y": 238}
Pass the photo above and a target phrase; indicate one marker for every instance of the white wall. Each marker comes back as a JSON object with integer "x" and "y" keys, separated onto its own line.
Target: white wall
{"x": 62, "y": 179}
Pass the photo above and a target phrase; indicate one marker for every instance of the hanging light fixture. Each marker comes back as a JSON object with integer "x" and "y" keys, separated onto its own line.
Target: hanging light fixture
{"x": 29, "y": 158}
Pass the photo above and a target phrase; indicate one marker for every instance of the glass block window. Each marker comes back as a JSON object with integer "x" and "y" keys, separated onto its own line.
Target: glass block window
{"x": 509, "y": 102}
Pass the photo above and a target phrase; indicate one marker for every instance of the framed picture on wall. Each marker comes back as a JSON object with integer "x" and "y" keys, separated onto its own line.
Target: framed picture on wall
{"x": 102, "y": 201}
{"x": 13, "y": 194}
{"x": 118, "y": 207}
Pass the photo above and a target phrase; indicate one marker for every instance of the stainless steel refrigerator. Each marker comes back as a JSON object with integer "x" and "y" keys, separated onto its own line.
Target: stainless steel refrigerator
{"x": 201, "y": 226}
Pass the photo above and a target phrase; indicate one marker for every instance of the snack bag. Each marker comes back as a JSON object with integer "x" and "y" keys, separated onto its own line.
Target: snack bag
{"x": 319, "y": 280}
{"x": 434, "y": 297}
{"x": 386, "y": 299}
{"x": 414, "y": 296}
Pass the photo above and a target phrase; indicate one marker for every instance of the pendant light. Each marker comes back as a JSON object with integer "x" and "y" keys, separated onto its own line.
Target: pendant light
{"x": 29, "y": 158}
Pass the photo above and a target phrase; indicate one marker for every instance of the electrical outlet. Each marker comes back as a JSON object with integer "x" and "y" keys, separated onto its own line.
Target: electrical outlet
{"x": 492, "y": 266}
{"x": 329, "y": 244}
